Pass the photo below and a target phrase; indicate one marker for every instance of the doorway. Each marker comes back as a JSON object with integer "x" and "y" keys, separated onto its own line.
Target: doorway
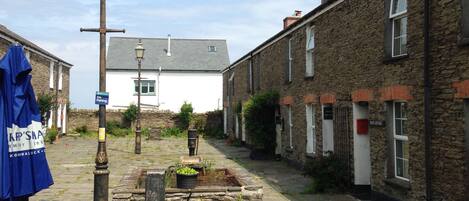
{"x": 361, "y": 144}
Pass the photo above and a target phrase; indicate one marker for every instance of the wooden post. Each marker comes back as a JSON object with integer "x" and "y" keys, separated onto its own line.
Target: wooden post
{"x": 155, "y": 185}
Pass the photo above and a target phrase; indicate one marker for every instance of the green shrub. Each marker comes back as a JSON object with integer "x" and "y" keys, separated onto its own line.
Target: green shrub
{"x": 117, "y": 129}
{"x": 185, "y": 115}
{"x": 46, "y": 103}
{"x": 172, "y": 132}
{"x": 81, "y": 129}
{"x": 259, "y": 113}
{"x": 329, "y": 174}
{"x": 199, "y": 123}
{"x": 130, "y": 114}
{"x": 145, "y": 132}
{"x": 51, "y": 135}
{"x": 186, "y": 171}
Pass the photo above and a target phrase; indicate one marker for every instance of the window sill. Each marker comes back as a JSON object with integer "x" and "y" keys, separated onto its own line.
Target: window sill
{"x": 154, "y": 94}
{"x": 389, "y": 60}
{"x": 309, "y": 77}
{"x": 399, "y": 183}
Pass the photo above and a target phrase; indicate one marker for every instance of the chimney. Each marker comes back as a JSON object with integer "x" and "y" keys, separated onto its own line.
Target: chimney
{"x": 324, "y": 1}
{"x": 291, "y": 19}
{"x": 168, "y": 51}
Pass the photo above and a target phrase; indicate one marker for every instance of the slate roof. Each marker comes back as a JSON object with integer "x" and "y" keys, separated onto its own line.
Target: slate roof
{"x": 7, "y": 32}
{"x": 186, "y": 54}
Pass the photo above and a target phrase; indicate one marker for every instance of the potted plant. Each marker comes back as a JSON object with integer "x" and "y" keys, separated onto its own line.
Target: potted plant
{"x": 186, "y": 177}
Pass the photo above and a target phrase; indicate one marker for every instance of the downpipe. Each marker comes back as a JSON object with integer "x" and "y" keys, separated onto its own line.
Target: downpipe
{"x": 427, "y": 101}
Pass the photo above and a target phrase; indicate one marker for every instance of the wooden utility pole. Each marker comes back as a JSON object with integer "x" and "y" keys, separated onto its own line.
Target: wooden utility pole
{"x": 101, "y": 173}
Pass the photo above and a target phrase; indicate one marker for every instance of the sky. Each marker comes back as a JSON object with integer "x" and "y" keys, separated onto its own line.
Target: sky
{"x": 54, "y": 25}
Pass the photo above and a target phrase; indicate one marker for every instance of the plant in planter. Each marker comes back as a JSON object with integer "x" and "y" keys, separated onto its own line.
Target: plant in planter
{"x": 186, "y": 177}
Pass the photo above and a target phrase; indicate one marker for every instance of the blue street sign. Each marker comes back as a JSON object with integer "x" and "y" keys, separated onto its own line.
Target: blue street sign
{"x": 102, "y": 98}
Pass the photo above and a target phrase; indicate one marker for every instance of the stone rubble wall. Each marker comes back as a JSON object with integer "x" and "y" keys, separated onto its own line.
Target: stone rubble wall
{"x": 150, "y": 119}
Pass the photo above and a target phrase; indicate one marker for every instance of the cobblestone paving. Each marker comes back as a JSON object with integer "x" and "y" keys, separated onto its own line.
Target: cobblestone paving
{"x": 72, "y": 163}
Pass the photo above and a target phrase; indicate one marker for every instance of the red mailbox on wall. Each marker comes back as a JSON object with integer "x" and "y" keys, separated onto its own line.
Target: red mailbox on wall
{"x": 362, "y": 126}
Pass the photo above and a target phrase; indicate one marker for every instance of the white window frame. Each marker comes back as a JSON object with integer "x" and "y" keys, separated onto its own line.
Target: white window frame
{"x": 212, "y": 48}
{"x": 310, "y": 64}
{"x": 290, "y": 125}
{"x": 59, "y": 116}
{"x": 51, "y": 75}
{"x": 290, "y": 59}
{"x": 28, "y": 55}
{"x": 311, "y": 128}
{"x": 396, "y": 137}
{"x": 148, "y": 93}
{"x": 394, "y": 17}
{"x": 60, "y": 77}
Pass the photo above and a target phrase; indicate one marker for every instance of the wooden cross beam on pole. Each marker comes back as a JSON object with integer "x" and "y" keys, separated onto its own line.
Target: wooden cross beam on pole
{"x": 101, "y": 172}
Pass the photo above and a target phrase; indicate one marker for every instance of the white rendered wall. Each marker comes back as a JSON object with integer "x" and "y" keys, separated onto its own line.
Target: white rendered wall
{"x": 203, "y": 90}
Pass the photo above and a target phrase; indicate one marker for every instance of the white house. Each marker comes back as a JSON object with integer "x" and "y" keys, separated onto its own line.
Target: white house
{"x": 173, "y": 71}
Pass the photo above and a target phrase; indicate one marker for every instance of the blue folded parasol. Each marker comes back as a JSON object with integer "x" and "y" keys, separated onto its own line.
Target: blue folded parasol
{"x": 23, "y": 164}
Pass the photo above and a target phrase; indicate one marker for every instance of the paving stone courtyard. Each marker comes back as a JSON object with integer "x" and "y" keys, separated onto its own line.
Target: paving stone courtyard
{"x": 72, "y": 162}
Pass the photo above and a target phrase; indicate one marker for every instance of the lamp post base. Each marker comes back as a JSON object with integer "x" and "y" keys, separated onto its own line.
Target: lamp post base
{"x": 101, "y": 184}
{"x": 138, "y": 141}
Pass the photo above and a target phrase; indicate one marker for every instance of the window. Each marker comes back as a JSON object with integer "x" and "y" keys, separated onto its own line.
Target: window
{"x": 51, "y": 75}
{"x": 310, "y": 129}
{"x": 290, "y": 60}
{"x": 212, "y": 48}
{"x": 147, "y": 87}
{"x": 310, "y": 55}
{"x": 290, "y": 126}
{"x": 250, "y": 76}
{"x": 28, "y": 55}
{"x": 398, "y": 16}
{"x": 60, "y": 77}
{"x": 401, "y": 144}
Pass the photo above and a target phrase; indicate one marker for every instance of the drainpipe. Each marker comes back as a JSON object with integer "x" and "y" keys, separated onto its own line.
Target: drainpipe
{"x": 427, "y": 101}
{"x": 158, "y": 95}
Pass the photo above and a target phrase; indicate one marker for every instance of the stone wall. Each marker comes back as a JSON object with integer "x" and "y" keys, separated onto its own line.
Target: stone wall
{"x": 81, "y": 117}
{"x": 350, "y": 59}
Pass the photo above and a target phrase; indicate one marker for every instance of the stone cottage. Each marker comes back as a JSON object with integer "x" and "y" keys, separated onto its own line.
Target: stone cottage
{"x": 384, "y": 84}
{"x": 50, "y": 75}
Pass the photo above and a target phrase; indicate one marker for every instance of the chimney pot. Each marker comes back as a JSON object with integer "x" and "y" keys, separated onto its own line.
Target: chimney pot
{"x": 298, "y": 13}
{"x": 291, "y": 19}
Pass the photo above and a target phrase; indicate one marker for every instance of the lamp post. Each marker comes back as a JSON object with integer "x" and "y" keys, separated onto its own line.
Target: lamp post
{"x": 139, "y": 51}
{"x": 101, "y": 172}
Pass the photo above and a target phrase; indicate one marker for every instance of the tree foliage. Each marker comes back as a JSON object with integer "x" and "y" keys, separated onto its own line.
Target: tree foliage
{"x": 259, "y": 113}
{"x": 185, "y": 115}
{"x": 131, "y": 113}
{"x": 46, "y": 102}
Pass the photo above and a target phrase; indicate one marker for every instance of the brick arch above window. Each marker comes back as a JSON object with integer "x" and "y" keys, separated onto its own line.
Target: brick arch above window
{"x": 395, "y": 92}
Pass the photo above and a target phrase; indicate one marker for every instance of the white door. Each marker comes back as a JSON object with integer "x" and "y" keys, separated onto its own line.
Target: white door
{"x": 327, "y": 128}
{"x": 64, "y": 119}
{"x": 225, "y": 123}
{"x": 237, "y": 126}
{"x": 310, "y": 129}
{"x": 361, "y": 148}
{"x": 243, "y": 128}
{"x": 278, "y": 131}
